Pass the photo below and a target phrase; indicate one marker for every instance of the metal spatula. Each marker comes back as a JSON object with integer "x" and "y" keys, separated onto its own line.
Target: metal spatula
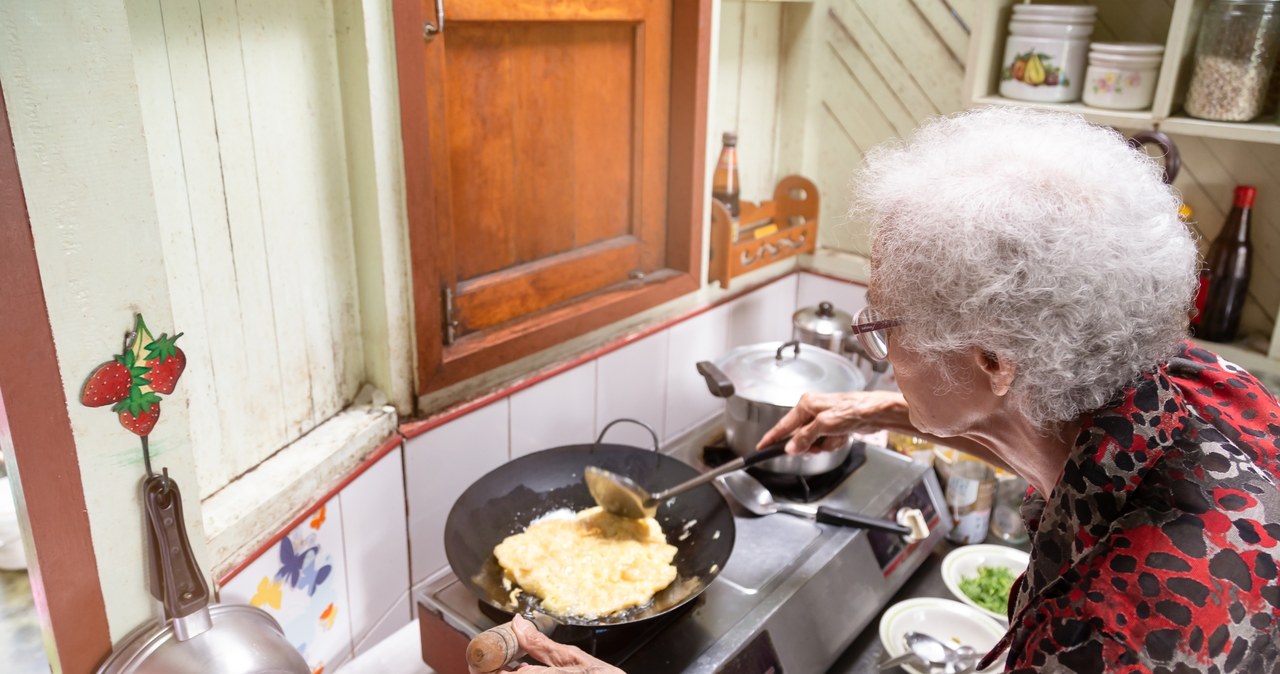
{"x": 621, "y": 495}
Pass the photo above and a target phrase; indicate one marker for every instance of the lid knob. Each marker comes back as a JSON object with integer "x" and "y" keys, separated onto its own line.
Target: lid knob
{"x": 825, "y": 310}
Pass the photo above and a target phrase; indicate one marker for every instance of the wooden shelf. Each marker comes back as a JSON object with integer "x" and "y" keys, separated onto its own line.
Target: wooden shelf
{"x": 987, "y": 46}
{"x": 1132, "y": 119}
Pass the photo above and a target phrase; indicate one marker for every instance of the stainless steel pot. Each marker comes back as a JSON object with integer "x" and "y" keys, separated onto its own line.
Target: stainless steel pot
{"x": 762, "y": 382}
{"x": 823, "y": 326}
{"x": 195, "y": 638}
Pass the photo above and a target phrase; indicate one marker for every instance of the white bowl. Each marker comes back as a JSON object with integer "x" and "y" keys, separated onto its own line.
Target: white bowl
{"x": 948, "y": 621}
{"x": 963, "y": 562}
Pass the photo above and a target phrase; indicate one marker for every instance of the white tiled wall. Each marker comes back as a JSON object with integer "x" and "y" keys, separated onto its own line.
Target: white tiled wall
{"x": 703, "y": 337}
{"x": 439, "y": 465}
{"x": 844, "y": 295}
{"x": 558, "y": 411}
{"x": 631, "y": 383}
{"x": 376, "y": 542}
{"x": 763, "y": 315}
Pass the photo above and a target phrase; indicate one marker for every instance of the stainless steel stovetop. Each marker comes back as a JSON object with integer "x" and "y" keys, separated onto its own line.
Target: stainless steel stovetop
{"x": 792, "y": 597}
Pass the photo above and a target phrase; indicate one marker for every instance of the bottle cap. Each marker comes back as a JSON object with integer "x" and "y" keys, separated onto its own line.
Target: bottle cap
{"x": 730, "y": 138}
{"x": 1244, "y": 196}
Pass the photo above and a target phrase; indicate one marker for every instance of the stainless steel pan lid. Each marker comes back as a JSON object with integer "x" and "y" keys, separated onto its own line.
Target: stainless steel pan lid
{"x": 778, "y": 373}
{"x": 823, "y": 320}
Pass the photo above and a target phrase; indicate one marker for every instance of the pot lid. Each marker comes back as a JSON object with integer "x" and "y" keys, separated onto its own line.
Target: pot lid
{"x": 823, "y": 319}
{"x": 778, "y": 373}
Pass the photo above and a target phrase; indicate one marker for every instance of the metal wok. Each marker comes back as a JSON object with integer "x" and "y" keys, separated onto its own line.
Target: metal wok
{"x": 507, "y": 499}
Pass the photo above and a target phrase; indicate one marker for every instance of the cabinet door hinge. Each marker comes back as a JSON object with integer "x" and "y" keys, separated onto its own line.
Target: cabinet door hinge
{"x": 450, "y": 324}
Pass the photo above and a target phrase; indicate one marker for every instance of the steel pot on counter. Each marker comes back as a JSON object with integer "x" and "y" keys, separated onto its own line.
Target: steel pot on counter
{"x": 762, "y": 382}
{"x": 823, "y": 326}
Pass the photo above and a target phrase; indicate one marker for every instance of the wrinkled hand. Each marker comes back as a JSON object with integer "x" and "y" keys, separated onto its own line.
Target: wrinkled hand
{"x": 822, "y": 422}
{"x": 562, "y": 659}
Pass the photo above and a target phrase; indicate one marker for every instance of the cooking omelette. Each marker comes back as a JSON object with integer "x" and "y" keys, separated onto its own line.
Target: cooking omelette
{"x": 590, "y": 565}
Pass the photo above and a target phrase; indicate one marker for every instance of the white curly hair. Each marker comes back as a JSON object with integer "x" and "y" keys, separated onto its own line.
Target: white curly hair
{"x": 1035, "y": 236}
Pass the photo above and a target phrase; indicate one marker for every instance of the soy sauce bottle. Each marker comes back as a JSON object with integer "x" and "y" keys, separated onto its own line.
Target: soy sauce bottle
{"x": 1225, "y": 281}
{"x": 724, "y": 183}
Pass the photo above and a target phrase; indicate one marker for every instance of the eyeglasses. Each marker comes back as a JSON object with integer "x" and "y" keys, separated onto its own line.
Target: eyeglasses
{"x": 872, "y": 331}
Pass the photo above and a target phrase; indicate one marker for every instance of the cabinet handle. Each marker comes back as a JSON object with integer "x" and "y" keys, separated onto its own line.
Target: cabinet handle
{"x": 429, "y": 31}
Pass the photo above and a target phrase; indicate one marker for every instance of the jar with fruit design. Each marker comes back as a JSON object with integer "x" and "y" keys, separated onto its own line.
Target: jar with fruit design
{"x": 1044, "y": 57}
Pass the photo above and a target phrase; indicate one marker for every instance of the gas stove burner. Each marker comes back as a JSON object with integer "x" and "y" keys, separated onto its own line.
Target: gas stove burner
{"x": 612, "y": 643}
{"x": 797, "y": 488}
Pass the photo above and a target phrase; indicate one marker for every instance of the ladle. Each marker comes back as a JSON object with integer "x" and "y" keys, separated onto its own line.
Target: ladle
{"x": 756, "y": 498}
{"x": 621, "y": 495}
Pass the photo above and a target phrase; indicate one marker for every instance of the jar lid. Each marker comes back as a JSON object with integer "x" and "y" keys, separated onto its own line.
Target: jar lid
{"x": 777, "y": 373}
{"x": 1062, "y": 31}
{"x": 1073, "y": 10}
{"x": 1129, "y": 48}
{"x": 1124, "y": 62}
{"x": 823, "y": 319}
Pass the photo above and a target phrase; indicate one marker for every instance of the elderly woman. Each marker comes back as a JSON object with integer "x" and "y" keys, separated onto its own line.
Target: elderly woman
{"x": 1030, "y": 284}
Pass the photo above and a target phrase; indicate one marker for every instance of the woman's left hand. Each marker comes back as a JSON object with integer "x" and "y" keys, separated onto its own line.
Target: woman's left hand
{"x": 562, "y": 659}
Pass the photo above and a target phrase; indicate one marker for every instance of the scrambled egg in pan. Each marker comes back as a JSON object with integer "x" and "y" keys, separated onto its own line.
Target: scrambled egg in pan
{"x": 591, "y": 565}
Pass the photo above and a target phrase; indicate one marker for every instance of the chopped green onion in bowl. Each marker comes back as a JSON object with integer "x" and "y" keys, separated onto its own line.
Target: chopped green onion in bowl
{"x": 990, "y": 588}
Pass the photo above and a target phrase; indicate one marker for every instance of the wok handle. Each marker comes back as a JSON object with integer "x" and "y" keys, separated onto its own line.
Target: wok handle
{"x": 845, "y": 518}
{"x": 647, "y": 427}
{"x": 771, "y": 452}
{"x": 493, "y": 649}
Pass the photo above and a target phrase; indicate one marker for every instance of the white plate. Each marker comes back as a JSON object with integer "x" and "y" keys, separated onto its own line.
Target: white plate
{"x": 948, "y": 621}
{"x": 963, "y": 562}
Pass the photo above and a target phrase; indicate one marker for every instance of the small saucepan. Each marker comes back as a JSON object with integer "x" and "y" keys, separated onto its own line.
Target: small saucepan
{"x": 760, "y": 383}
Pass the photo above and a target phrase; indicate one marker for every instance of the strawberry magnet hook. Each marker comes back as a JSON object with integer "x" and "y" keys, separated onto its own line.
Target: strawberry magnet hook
{"x": 132, "y": 382}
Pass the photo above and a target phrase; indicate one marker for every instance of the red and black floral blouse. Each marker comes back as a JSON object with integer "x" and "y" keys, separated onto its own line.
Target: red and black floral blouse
{"x": 1157, "y": 551}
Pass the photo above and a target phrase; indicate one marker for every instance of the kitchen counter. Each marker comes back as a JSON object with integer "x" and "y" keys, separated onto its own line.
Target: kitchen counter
{"x": 866, "y": 652}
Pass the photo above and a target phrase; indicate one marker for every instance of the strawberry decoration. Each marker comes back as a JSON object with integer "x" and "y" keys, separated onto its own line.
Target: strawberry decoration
{"x": 139, "y": 412}
{"x": 111, "y": 382}
{"x": 132, "y": 383}
{"x": 166, "y": 362}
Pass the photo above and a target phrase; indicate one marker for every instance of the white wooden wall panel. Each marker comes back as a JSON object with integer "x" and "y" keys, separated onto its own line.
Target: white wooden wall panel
{"x": 748, "y": 90}
{"x": 243, "y": 112}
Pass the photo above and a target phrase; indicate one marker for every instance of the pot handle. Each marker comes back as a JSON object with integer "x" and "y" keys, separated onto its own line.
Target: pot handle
{"x": 717, "y": 381}
{"x": 647, "y": 427}
{"x": 793, "y": 343}
{"x": 182, "y": 586}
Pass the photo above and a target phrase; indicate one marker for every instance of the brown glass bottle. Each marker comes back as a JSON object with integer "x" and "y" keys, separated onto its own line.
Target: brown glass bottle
{"x": 724, "y": 183}
{"x": 1225, "y": 281}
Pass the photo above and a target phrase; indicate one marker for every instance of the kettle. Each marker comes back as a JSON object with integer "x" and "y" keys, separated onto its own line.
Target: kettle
{"x": 195, "y": 638}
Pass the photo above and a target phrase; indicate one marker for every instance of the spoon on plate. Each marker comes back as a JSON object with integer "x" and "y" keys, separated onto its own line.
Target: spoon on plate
{"x": 931, "y": 653}
{"x": 621, "y": 495}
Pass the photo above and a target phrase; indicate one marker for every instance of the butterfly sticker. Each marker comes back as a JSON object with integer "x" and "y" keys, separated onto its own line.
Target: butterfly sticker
{"x": 327, "y": 616}
{"x": 318, "y": 520}
{"x": 299, "y": 568}
{"x": 268, "y": 594}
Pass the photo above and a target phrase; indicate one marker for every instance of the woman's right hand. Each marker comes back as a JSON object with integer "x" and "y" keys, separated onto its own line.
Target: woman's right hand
{"x": 823, "y": 421}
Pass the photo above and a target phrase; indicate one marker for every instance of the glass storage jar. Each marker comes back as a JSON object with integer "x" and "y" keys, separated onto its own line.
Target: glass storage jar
{"x": 1235, "y": 53}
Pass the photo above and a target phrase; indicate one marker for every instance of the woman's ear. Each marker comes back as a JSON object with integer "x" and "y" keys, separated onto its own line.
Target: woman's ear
{"x": 1000, "y": 371}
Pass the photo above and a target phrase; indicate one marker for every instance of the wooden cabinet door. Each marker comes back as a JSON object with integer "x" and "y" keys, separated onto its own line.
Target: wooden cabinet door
{"x": 547, "y": 123}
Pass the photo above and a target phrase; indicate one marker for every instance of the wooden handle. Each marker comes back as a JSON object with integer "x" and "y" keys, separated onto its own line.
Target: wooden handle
{"x": 493, "y": 648}
{"x": 496, "y": 647}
